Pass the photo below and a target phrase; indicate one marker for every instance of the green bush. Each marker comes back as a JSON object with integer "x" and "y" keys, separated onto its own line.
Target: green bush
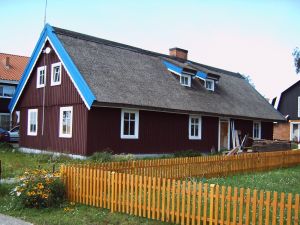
{"x": 40, "y": 189}
{"x": 105, "y": 156}
{"x": 4, "y": 189}
{"x": 187, "y": 153}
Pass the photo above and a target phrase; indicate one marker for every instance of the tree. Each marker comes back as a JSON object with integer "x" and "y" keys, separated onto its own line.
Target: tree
{"x": 296, "y": 55}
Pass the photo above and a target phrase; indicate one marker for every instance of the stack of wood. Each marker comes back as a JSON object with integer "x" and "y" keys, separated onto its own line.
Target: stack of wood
{"x": 270, "y": 145}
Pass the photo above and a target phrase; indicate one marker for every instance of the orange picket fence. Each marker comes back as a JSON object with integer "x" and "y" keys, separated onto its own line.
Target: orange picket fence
{"x": 205, "y": 166}
{"x": 180, "y": 202}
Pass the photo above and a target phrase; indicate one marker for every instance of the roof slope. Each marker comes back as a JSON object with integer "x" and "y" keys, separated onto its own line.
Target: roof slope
{"x": 16, "y": 67}
{"x": 125, "y": 75}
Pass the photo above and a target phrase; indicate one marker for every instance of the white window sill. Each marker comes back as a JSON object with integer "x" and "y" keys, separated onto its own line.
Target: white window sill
{"x": 65, "y": 136}
{"x": 129, "y": 137}
{"x": 56, "y": 84}
{"x": 194, "y": 138}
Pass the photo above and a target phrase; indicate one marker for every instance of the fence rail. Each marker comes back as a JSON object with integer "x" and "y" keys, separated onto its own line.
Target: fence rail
{"x": 204, "y": 166}
{"x": 179, "y": 202}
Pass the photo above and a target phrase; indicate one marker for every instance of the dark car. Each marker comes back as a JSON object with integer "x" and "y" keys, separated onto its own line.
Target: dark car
{"x": 4, "y": 135}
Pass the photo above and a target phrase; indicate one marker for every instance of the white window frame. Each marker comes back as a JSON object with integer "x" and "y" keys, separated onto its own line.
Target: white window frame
{"x": 199, "y": 127}
{"x": 54, "y": 83}
{"x": 185, "y": 76}
{"x": 136, "y": 124}
{"x": 212, "y": 84}
{"x": 298, "y": 106}
{"x": 29, "y": 132}
{"x": 291, "y": 130}
{"x": 5, "y": 87}
{"x": 39, "y": 69}
{"x": 259, "y": 130}
{"x": 61, "y": 110}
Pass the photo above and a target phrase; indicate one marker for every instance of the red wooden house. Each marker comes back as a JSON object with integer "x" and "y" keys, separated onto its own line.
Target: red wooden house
{"x": 81, "y": 94}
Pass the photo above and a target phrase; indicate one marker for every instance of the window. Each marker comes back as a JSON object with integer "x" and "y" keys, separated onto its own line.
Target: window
{"x": 32, "y": 122}
{"x": 129, "y": 124}
{"x": 5, "y": 120}
{"x": 294, "y": 132}
{"x": 56, "y": 74}
{"x": 299, "y": 106}
{"x": 195, "y": 127}
{"x": 65, "y": 122}
{"x": 7, "y": 91}
{"x": 256, "y": 130}
{"x": 210, "y": 85}
{"x": 185, "y": 80}
{"x": 41, "y": 77}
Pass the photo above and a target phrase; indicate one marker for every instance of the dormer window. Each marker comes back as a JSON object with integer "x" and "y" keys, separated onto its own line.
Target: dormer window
{"x": 185, "y": 80}
{"x": 209, "y": 85}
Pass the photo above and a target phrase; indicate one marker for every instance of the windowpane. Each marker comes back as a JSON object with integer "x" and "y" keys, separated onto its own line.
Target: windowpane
{"x": 132, "y": 116}
{"x": 192, "y": 130}
{"x": 295, "y": 132}
{"x": 126, "y": 128}
{"x": 196, "y": 131}
{"x": 132, "y": 124}
{"x": 32, "y": 122}
{"x": 56, "y": 74}
{"x": 66, "y": 122}
{"x": 4, "y": 121}
{"x": 126, "y": 116}
{"x": 1, "y": 90}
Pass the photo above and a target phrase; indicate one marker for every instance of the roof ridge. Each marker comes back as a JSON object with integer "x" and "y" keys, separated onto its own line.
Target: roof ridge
{"x": 3, "y": 53}
{"x": 135, "y": 49}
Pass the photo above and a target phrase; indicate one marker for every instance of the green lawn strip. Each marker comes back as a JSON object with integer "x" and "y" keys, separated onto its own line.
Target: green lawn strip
{"x": 14, "y": 162}
{"x": 285, "y": 180}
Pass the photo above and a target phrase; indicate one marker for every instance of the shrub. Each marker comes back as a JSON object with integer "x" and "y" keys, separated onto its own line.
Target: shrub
{"x": 187, "y": 153}
{"x": 105, "y": 156}
{"x": 40, "y": 189}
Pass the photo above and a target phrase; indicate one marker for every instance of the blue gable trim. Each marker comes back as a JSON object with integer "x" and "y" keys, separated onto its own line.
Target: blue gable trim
{"x": 179, "y": 70}
{"x": 172, "y": 67}
{"x": 81, "y": 85}
{"x": 201, "y": 74}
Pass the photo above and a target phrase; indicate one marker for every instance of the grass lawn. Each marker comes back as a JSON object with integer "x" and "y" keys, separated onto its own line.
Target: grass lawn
{"x": 14, "y": 162}
{"x": 281, "y": 180}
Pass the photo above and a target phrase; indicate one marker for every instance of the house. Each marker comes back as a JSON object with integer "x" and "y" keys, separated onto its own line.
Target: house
{"x": 81, "y": 94}
{"x": 11, "y": 69}
{"x": 288, "y": 104}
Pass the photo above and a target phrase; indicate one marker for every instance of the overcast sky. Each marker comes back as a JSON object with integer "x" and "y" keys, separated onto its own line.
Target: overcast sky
{"x": 254, "y": 38}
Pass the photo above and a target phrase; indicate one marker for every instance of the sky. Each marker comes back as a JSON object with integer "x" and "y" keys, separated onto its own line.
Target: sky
{"x": 255, "y": 38}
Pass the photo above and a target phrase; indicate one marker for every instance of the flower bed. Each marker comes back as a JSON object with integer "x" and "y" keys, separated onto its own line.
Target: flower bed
{"x": 40, "y": 189}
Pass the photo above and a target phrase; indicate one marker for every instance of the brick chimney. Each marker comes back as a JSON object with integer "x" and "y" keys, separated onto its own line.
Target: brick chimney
{"x": 7, "y": 65}
{"x": 178, "y": 53}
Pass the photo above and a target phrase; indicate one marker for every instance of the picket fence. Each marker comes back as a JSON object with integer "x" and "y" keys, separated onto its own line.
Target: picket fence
{"x": 205, "y": 166}
{"x": 180, "y": 202}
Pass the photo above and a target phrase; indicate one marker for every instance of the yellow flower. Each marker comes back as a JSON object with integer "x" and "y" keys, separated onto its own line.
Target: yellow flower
{"x": 40, "y": 186}
{"x": 45, "y": 196}
{"x": 72, "y": 203}
{"x": 67, "y": 209}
